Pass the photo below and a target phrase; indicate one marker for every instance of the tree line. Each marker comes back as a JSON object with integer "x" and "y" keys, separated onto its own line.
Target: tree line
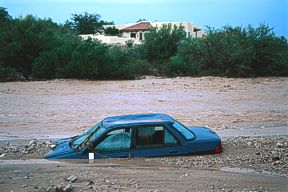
{"x": 34, "y": 48}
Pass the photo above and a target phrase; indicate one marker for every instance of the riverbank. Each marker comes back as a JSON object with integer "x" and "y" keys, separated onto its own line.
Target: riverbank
{"x": 246, "y": 164}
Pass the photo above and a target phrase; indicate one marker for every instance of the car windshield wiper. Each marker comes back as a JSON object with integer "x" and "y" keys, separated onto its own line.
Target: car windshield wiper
{"x": 87, "y": 139}
{"x": 71, "y": 140}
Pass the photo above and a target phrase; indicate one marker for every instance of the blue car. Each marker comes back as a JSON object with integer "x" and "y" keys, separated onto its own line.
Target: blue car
{"x": 138, "y": 135}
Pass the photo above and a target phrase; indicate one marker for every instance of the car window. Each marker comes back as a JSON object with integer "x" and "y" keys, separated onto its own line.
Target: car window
{"x": 153, "y": 136}
{"x": 115, "y": 140}
{"x": 89, "y": 135}
{"x": 183, "y": 130}
{"x": 169, "y": 139}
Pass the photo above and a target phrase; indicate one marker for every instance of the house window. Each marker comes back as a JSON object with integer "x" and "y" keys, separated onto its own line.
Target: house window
{"x": 133, "y": 35}
{"x": 141, "y": 36}
{"x": 154, "y": 136}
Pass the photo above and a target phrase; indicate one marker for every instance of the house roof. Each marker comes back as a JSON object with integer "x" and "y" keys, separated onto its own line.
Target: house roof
{"x": 142, "y": 26}
{"x": 137, "y": 119}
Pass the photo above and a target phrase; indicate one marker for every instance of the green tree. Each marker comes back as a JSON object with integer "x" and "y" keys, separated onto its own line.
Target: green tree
{"x": 161, "y": 43}
{"x": 232, "y": 51}
{"x": 86, "y": 23}
{"x": 188, "y": 59}
{"x": 112, "y": 31}
{"x": 140, "y": 20}
{"x": 33, "y": 36}
{"x": 269, "y": 52}
{"x": 50, "y": 63}
{"x": 4, "y": 16}
{"x": 5, "y": 23}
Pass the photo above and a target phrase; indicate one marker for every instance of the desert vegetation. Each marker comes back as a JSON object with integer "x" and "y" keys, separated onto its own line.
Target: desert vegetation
{"x": 34, "y": 48}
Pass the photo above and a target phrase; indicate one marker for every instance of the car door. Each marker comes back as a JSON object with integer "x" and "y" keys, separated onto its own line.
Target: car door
{"x": 153, "y": 141}
{"x": 114, "y": 144}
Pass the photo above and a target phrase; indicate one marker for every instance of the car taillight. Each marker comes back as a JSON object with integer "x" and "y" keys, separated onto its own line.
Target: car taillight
{"x": 218, "y": 148}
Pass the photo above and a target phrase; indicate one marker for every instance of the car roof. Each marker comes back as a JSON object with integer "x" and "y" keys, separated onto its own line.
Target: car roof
{"x": 137, "y": 119}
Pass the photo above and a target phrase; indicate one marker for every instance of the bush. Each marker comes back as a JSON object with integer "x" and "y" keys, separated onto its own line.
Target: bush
{"x": 232, "y": 52}
{"x": 161, "y": 43}
{"x": 8, "y": 74}
{"x": 46, "y": 50}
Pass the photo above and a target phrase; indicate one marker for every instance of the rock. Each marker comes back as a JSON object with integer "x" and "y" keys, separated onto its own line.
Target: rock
{"x": 275, "y": 158}
{"x": 7, "y": 143}
{"x": 2, "y": 155}
{"x": 87, "y": 183}
{"x": 186, "y": 175}
{"x": 279, "y": 145}
{"x": 68, "y": 188}
{"x": 275, "y": 163}
{"x": 71, "y": 178}
{"x": 23, "y": 186}
{"x": 60, "y": 188}
{"x": 154, "y": 190}
{"x": 51, "y": 189}
{"x": 32, "y": 142}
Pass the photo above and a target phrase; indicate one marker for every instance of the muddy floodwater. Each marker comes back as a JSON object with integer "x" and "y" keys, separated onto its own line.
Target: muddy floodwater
{"x": 62, "y": 108}
{"x": 256, "y": 108}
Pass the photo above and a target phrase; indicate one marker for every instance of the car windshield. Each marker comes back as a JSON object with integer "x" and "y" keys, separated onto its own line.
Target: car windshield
{"x": 183, "y": 130}
{"x": 90, "y": 135}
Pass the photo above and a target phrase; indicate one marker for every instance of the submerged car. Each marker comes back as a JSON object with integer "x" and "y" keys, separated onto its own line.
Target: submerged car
{"x": 138, "y": 135}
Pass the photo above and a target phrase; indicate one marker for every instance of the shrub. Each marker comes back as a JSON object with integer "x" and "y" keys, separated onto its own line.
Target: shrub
{"x": 9, "y": 74}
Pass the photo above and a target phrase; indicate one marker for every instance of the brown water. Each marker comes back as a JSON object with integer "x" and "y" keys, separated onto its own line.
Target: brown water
{"x": 62, "y": 108}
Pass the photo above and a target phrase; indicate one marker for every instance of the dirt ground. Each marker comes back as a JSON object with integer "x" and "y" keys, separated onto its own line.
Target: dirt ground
{"x": 132, "y": 175}
{"x": 232, "y": 107}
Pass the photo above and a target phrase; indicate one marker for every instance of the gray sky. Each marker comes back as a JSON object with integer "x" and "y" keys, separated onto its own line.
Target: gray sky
{"x": 215, "y": 13}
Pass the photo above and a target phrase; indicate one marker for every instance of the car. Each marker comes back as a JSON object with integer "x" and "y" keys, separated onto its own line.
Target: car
{"x": 137, "y": 135}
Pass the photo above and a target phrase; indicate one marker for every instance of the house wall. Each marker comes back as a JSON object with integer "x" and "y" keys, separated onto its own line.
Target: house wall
{"x": 110, "y": 39}
{"x": 137, "y": 35}
{"x": 188, "y": 28}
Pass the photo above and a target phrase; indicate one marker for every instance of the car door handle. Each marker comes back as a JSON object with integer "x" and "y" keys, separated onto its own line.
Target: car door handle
{"x": 173, "y": 151}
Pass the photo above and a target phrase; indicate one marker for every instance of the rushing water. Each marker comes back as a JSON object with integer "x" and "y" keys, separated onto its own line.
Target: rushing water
{"x": 62, "y": 108}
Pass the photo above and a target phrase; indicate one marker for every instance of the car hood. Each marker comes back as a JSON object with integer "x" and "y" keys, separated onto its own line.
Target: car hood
{"x": 64, "y": 140}
{"x": 204, "y": 133}
{"x": 61, "y": 149}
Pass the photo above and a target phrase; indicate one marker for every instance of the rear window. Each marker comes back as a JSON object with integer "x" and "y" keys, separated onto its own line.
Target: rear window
{"x": 183, "y": 130}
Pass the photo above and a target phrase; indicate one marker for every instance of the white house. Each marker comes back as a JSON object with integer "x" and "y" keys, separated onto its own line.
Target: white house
{"x": 136, "y": 32}
{"x": 190, "y": 29}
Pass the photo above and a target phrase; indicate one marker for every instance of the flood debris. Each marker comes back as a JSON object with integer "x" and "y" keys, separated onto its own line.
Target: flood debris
{"x": 68, "y": 188}
{"x": 71, "y": 178}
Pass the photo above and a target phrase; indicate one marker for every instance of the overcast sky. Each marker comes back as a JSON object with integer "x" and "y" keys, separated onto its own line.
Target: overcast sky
{"x": 215, "y": 13}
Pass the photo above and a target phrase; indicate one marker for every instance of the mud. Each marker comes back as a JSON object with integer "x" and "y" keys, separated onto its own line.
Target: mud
{"x": 133, "y": 175}
{"x": 62, "y": 108}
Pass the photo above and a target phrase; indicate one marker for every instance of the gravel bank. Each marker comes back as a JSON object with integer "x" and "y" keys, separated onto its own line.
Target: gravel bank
{"x": 262, "y": 154}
